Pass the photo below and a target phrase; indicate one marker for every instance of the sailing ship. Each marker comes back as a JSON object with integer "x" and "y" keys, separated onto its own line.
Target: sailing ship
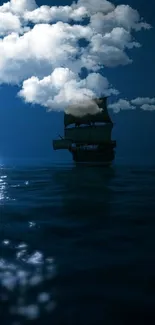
{"x": 88, "y": 138}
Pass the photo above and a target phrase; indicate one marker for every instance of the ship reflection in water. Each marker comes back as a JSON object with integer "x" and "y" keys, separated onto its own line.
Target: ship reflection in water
{"x": 77, "y": 245}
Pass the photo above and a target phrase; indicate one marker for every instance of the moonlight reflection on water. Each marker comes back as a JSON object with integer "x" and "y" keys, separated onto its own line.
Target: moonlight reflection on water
{"x": 22, "y": 280}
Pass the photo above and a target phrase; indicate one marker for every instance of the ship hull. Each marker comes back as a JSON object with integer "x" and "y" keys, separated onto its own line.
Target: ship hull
{"x": 94, "y": 157}
{"x": 93, "y": 163}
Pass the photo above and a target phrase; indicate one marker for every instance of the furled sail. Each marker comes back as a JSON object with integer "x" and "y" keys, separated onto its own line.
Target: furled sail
{"x": 101, "y": 117}
{"x": 61, "y": 144}
{"x": 89, "y": 134}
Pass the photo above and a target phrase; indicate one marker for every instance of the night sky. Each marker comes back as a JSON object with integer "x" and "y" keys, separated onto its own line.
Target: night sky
{"x": 27, "y": 131}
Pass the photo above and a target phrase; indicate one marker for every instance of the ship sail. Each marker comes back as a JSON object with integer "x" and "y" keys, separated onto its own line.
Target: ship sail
{"x": 101, "y": 117}
{"x": 89, "y": 135}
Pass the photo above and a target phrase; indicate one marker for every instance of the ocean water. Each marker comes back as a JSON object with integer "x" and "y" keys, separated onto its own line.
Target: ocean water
{"x": 77, "y": 245}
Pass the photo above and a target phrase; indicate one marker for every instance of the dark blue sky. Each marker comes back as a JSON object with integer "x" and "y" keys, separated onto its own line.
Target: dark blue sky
{"x": 27, "y": 131}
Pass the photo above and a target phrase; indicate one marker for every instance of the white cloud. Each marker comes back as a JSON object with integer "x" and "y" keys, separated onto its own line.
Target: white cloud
{"x": 103, "y": 6}
{"x": 57, "y": 90}
{"x": 11, "y": 14}
{"x": 47, "y": 57}
{"x": 46, "y": 14}
{"x": 9, "y": 23}
{"x": 121, "y": 104}
{"x": 120, "y": 38}
{"x": 18, "y": 6}
{"x": 122, "y": 16}
{"x": 39, "y": 51}
{"x": 105, "y": 54}
{"x": 142, "y": 101}
{"x": 99, "y": 85}
{"x": 108, "y": 49}
{"x": 145, "y": 103}
{"x": 148, "y": 107}
{"x": 129, "y": 18}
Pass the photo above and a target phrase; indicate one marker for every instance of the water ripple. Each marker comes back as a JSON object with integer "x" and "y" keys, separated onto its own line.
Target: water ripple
{"x": 77, "y": 245}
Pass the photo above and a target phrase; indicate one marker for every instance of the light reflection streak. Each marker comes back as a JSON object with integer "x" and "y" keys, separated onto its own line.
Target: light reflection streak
{"x": 3, "y": 187}
{"x": 28, "y": 271}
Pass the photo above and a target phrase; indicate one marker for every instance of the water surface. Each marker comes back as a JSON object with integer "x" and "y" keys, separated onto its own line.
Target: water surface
{"x": 77, "y": 245}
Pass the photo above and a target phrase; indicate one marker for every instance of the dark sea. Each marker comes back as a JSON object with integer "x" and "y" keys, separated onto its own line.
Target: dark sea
{"x": 77, "y": 245}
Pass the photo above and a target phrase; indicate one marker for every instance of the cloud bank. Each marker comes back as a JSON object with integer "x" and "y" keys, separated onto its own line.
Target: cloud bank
{"x": 144, "y": 103}
{"x": 44, "y": 50}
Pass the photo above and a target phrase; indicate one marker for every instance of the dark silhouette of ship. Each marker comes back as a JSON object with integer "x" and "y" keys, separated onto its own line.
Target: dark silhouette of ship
{"x": 88, "y": 138}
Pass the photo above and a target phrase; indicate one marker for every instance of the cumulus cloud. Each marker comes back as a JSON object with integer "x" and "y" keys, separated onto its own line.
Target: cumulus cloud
{"x": 40, "y": 51}
{"x": 9, "y": 23}
{"x": 18, "y": 6}
{"x": 99, "y": 6}
{"x": 121, "y": 104}
{"x": 57, "y": 91}
{"x": 46, "y": 14}
{"x": 121, "y": 16}
{"x": 143, "y": 101}
{"x": 148, "y": 107}
{"x": 46, "y": 59}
